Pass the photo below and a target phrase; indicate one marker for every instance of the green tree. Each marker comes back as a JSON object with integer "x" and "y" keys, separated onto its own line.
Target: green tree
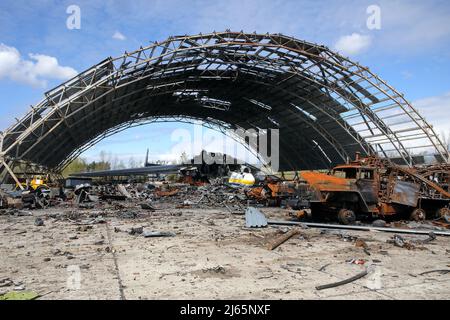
{"x": 76, "y": 166}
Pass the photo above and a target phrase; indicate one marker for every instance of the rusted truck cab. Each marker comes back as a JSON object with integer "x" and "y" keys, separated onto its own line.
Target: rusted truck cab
{"x": 346, "y": 190}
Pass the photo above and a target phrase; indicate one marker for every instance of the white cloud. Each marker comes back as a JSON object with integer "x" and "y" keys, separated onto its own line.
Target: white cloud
{"x": 353, "y": 44}
{"x": 119, "y": 36}
{"x": 35, "y": 71}
{"x": 435, "y": 110}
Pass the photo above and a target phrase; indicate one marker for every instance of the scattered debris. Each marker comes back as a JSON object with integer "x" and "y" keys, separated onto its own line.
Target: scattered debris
{"x": 153, "y": 203}
{"x": 357, "y": 261}
{"x": 39, "y": 222}
{"x": 84, "y": 228}
{"x": 322, "y": 268}
{"x": 343, "y": 282}
{"x": 441, "y": 271}
{"x": 166, "y": 193}
{"x": 280, "y": 240}
{"x": 217, "y": 269}
{"x": 147, "y": 206}
{"x": 135, "y": 231}
{"x": 359, "y": 243}
{"x": 291, "y": 267}
{"x": 431, "y": 237}
{"x": 128, "y": 215}
{"x": 6, "y": 282}
{"x": 254, "y": 218}
{"x": 379, "y": 223}
{"x": 124, "y": 191}
{"x": 401, "y": 242}
{"x": 25, "y": 295}
{"x": 97, "y": 220}
{"x": 151, "y": 234}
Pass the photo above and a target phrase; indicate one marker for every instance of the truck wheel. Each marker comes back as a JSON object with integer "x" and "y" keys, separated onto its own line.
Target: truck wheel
{"x": 346, "y": 216}
{"x": 418, "y": 215}
{"x": 443, "y": 213}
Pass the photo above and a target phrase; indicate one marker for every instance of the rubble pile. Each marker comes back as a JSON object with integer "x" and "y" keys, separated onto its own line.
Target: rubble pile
{"x": 127, "y": 201}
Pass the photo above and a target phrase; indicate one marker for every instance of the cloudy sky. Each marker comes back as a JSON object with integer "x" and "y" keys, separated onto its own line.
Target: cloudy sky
{"x": 411, "y": 50}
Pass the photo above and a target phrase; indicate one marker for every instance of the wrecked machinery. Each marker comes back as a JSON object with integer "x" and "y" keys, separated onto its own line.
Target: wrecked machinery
{"x": 30, "y": 194}
{"x": 274, "y": 192}
{"x": 375, "y": 187}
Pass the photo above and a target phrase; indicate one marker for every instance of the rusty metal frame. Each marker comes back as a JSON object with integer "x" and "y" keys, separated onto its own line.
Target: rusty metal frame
{"x": 326, "y": 106}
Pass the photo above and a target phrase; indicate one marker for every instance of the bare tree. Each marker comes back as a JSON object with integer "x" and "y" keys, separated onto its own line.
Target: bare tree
{"x": 184, "y": 158}
{"x": 132, "y": 162}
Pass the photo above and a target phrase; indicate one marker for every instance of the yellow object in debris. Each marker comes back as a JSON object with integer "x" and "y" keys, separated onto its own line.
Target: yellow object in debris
{"x": 24, "y": 295}
{"x": 244, "y": 179}
{"x": 36, "y": 183}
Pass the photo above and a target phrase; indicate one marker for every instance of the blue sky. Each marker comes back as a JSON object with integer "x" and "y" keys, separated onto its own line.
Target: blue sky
{"x": 411, "y": 51}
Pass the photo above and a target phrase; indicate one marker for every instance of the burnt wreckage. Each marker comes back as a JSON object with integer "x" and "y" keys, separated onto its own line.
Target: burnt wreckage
{"x": 326, "y": 107}
{"x": 377, "y": 187}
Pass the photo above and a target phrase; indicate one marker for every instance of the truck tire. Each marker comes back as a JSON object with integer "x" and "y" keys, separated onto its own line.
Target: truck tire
{"x": 443, "y": 213}
{"x": 346, "y": 216}
{"x": 418, "y": 215}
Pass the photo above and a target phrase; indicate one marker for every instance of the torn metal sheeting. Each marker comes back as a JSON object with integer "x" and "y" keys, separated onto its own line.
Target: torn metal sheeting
{"x": 155, "y": 234}
{"x": 254, "y": 218}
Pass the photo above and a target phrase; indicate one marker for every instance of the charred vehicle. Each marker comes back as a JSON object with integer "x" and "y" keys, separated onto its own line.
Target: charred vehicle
{"x": 376, "y": 187}
{"x": 273, "y": 191}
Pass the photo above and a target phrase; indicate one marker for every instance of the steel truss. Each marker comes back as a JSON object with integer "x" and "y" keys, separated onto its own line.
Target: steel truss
{"x": 325, "y": 106}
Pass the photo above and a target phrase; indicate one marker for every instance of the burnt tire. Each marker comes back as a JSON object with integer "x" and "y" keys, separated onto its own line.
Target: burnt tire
{"x": 418, "y": 215}
{"x": 443, "y": 213}
{"x": 346, "y": 216}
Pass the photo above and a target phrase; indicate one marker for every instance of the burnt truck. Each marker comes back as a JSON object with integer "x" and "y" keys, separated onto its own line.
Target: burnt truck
{"x": 376, "y": 187}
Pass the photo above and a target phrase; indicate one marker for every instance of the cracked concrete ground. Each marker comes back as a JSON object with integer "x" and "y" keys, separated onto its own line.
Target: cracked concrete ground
{"x": 212, "y": 256}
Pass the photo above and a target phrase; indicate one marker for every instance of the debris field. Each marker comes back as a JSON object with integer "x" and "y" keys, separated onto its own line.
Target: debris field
{"x": 192, "y": 242}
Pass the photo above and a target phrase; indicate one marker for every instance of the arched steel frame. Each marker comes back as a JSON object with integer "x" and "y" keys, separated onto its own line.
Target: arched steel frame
{"x": 325, "y": 106}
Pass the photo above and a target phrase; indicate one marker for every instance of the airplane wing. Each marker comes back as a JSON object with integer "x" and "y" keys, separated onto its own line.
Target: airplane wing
{"x": 166, "y": 169}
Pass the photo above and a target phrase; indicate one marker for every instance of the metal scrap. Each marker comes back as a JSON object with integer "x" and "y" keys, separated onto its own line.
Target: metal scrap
{"x": 38, "y": 222}
{"x": 147, "y": 206}
{"x": 343, "y": 282}
{"x": 135, "y": 231}
{"x": 123, "y": 191}
{"x": 217, "y": 269}
{"x": 152, "y": 234}
{"x": 254, "y": 218}
{"x": 441, "y": 271}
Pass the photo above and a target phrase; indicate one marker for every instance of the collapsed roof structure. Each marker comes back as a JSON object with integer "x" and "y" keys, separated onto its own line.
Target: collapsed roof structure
{"x": 325, "y": 106}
